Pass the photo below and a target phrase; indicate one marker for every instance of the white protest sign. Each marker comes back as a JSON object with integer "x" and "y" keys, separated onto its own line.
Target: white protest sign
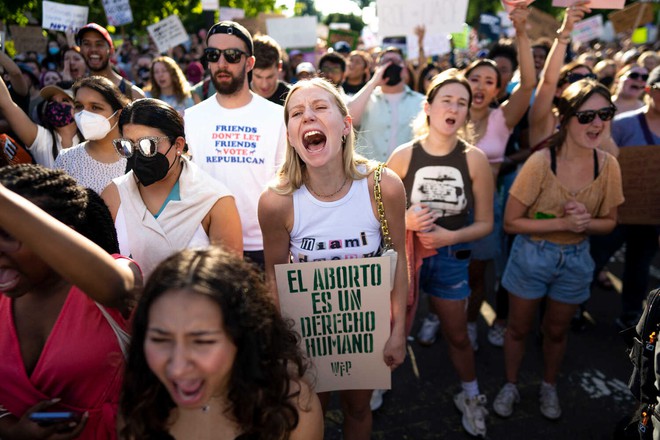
{"x": 399, "y": 17}
{"x": 210, "y": 5}
{"x": 593, "y": 4}
{"x": 341, "y": 309}
{"x": 436, "y": 44}
{"x": 231, "y": 13}
{"x": 168, "y": 33}
{"x": 118, "y": 12}
{"x": 293, "y": 32}
{"x": 61, "y": 17}
{"x": 588, "y": 29}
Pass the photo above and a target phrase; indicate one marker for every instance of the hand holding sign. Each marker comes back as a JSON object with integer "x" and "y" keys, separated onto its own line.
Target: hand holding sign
{"x": 573, "y": 14}
{"x": 594, "y": 4}
{"x": 519, "y": 19}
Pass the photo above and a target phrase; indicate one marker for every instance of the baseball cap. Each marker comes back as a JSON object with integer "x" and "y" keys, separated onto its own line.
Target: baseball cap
{"x": 654, "y": 77}
{"x": 305, "y": 67}
{"x": 98, "y": 28}
{"x": 342, "y": 47}
{"x": 232, "y": 28}
{"x": 49, "y": 91}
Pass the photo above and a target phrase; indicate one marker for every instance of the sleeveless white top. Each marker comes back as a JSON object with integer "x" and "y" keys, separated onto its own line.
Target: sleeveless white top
{"x": 338, "y": 230}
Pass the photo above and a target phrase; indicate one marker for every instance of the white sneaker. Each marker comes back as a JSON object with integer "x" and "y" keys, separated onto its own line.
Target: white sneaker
{"x": 472, "y": 335}
{"x": 505, "y": 400}
{"x": 429, "y": 330}
{"x": 496, "y": 334}
{"x": 376, "y": 399}
{"x": 474, "y": 413}
{"x": 549, "y": 402}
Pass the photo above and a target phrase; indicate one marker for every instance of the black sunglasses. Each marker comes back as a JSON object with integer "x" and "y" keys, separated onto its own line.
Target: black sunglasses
{"x": 587, "y": 116}
{"x": 573, "y": 77}
{"x": 147, "y": 146}
{"x": 232, "y": 56}
{"x": 637, "y": 75}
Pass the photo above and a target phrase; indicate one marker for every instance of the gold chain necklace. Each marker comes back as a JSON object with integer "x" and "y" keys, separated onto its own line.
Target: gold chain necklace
{"x": 327, "y": 196}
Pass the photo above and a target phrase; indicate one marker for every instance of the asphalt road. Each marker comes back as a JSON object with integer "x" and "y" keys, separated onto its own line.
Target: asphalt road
{"x": 592, "y": 387}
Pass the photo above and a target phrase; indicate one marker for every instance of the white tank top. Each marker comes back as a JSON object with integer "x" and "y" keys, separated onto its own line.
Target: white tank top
{"x": 338, "y": 230}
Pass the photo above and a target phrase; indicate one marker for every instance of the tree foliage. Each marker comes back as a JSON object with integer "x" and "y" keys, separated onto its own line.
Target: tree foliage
{"x": 356, "y": 22}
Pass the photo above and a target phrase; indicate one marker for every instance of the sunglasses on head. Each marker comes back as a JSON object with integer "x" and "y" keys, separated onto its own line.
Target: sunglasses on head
{"x": 147, "y": 146}
{"x": 587, "y": 116}
{"x": 232, "y": 56}
{"x": 637, "y": 75}
{"x": 573, "y": 77}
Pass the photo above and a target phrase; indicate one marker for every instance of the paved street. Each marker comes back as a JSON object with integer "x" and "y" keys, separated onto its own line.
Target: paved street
{"x": 592, "y": 387}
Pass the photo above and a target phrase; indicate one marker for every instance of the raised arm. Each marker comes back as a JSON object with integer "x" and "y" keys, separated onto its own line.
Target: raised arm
{"x": 16, "y": 77}
{"x": 20, "y": 123}
{"x": 516, "y": 106}
{"x": 358, "y": 104}
{"x": 541, "y": 119}
{"x": 86, "y": 265}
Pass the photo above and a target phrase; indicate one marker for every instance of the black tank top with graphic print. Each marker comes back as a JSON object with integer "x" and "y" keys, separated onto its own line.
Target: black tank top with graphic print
{"x": 443, "y": 183}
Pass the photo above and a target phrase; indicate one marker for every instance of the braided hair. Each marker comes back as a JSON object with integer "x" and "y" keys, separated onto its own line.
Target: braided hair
{"x": 59, "y": 195}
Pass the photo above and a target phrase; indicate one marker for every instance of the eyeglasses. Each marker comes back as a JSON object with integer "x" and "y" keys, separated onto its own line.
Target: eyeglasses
{"x": 147, "y": 146}
{"x": 8, "y": 243}
{"x": 326, "y": 69}
{"x": 637, "y": 75}
{"x": 587, "y": 116}
{"x": 574, "y": 77}
{"x": 232, "y": 56}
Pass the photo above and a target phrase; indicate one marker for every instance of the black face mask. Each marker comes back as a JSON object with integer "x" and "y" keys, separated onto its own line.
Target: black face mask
{"x": 393, "y": 74}
{"x": 150, "y": 170}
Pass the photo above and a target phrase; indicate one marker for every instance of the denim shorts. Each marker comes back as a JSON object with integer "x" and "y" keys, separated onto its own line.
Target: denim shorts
{"x": 445, "y": 274}
{"x": 537, "y": 268}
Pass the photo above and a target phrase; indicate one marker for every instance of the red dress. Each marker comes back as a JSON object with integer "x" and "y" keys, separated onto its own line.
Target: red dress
{"x": 81, "y": 363}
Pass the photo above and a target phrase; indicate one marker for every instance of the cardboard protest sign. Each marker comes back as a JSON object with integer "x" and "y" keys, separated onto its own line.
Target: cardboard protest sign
{"x": 510, "y": 5}
{"x": 61, "y": 17}
{"x": 633, "y": 16}
{"x": 118, "y": 12}
{"x": 593, "y": 4}
{"x": 28, "y": 38}
{"x": 588, "y": 29}
{"x": 294, "y": 31}
{"x": 168, "y": 33}
{"x": 258, "y": 25}
{"x": 211, "y": 5}
{"x": 341, "y": 309}
{"x": 541, "y": 24}
{"x": 351, "y": 37}
{"x": 640, "y": 172}
{"x": 434, "y": 44}
{"x": 231, "y": 13}
{"x": 399, "y": 17}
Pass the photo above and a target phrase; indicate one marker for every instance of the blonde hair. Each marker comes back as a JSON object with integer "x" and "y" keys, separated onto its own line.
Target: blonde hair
{"x": 179, "y": 81}
{"x": 290, "y": 176}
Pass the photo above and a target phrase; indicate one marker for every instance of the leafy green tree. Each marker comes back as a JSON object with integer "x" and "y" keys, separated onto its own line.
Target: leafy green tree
{"x": 306, "y": 7}
{"x": 356, "y": 22}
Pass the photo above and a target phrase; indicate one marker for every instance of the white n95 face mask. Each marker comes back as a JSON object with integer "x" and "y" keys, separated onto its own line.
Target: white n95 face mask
{"x": 93, "y": 126}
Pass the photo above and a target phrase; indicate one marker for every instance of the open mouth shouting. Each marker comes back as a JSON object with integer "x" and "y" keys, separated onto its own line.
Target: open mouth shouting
{"x": 8, "y": 279}
{"x": 313, "y": 140}
{"x": 188, "y": 392}
{"x": 478, "y": 98}
{"x": 593, "y": 135}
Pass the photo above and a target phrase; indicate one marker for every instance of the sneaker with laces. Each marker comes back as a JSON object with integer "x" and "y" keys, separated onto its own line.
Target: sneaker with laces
{"x": 376, "y": 399}
{"x": 429, "y": 330}
{"x": 474, "y": 413}
{"x": 549, "y": 402}
{"x": 505, "y": 400}
{"x": 472, "y": 335}
{"x": 496, "y": 334}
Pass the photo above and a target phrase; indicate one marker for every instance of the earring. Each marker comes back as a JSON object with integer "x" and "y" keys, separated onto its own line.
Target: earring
{"x": 178, "y": 153}
{"x": 343, "y": 139}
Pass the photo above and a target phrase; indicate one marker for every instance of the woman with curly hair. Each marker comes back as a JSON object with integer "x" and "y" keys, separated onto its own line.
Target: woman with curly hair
{"x": 212, "y": 359}
{"x": 63, "y": 301}
{"x": 169, "y": 84}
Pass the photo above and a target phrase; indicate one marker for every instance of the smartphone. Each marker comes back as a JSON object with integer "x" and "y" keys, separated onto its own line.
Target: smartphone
{"x": 393, "y": 74}
{"x": 51, "y": 418}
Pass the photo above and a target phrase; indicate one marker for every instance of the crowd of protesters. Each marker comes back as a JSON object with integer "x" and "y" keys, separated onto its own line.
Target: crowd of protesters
{"x": 195, "y": 172}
